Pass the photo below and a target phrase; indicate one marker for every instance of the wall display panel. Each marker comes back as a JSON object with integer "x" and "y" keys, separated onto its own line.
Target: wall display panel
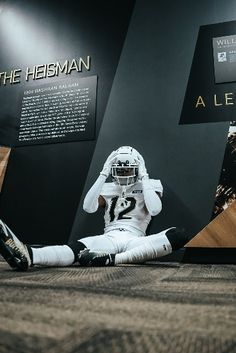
{"x": 61, "y": 111}
{"x": 211, "y": 91}
{"x": 224, "y": 50}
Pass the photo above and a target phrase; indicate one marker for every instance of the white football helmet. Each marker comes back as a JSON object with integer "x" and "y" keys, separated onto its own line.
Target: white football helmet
{"x": 124, "y": 170}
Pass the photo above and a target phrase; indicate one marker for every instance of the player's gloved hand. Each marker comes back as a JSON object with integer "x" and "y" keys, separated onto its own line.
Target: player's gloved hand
{"x": 87, "y": 258}
{"x": 142, "y": 170}
{"x": 107, "y": 165}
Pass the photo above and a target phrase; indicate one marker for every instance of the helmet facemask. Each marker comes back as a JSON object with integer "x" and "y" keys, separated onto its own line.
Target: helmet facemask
{"x": 125, "y": 173}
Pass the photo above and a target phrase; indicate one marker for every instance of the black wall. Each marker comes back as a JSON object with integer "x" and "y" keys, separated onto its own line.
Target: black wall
{"x": 44, "y": 183}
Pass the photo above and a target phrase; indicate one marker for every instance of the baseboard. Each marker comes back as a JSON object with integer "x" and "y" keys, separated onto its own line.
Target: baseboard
{"x": 210, "y": 255}
{"x": 196, "y": 255}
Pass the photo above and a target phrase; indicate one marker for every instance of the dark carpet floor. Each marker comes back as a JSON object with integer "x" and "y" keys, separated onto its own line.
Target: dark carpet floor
{"x": 151, "y": 308}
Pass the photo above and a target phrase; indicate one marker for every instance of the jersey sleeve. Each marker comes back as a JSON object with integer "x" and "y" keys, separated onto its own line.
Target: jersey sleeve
{"x": 157, "y": 185}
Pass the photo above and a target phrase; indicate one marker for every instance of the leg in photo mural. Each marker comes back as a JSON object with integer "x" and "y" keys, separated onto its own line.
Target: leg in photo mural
{"x": 226, "y": 189}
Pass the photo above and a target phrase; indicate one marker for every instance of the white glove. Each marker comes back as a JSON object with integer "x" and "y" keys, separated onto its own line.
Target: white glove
{"x": 108, "y": 164}
{"x": 142, "y": 170}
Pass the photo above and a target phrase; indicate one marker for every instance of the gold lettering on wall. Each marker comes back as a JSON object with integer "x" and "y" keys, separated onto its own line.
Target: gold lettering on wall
{"x": 216, "y": 104}
{"x": 200, "y": 102}
{"x": 41, "y": 71}
{"x": 217, "y": 101}
{"x": 51, "y": 72}
{"x": 73, "y": 66}
{"x": 228, "y": 99}
{"x": 60, "y": 68}
{"x": 10, "y": 77}
{"x": 55, "y": 69}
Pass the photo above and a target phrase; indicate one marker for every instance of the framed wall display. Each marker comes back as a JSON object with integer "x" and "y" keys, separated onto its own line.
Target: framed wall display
{"x": 224, "y": 53}
{"x": 210, "y": 93}
{"x": 58, "y": 112}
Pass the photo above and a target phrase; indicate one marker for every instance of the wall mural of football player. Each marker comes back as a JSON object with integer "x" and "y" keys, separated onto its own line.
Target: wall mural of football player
{"x": 4, "y": 156}
{"x": 129, "y": 201}
{"x": 226, "y": 189}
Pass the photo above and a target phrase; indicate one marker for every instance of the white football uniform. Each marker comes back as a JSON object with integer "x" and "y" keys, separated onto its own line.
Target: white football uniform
{"x": 126, "y": 217}
{"x": 129, "y": 211}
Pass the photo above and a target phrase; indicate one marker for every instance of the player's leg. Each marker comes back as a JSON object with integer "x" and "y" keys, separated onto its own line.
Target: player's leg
{"x": 13, "y": 250}
{"x": 66, "y": 255}
{"x": 101, "y": 250}
{"x": 142, "y": 249}
{"x": 54, "y": 255}
{"x": 153, "y": 246}
{"x": 21, "y": 256}
{"x": 98, "y": 248}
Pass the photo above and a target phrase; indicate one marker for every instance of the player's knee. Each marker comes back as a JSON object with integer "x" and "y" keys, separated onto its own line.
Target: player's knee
{"x": 76, "y": 247}
{"x": 177, "y": 237}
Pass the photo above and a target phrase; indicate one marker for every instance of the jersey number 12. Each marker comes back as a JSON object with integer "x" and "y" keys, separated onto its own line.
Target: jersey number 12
{"x": 122, "y": 214}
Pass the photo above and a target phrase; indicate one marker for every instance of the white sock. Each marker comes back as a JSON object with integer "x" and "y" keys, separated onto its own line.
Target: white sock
{"x": 153, "y": 246}
{"x": 56, "y": 255}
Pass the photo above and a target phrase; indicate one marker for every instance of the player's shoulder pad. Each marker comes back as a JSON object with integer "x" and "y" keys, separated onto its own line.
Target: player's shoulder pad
{"x": 157, "y": 185}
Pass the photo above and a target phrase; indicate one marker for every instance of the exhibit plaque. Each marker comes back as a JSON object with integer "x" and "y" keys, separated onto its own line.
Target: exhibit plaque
{"x": 211, "y": 93}
{"x": 59, "y": 112}
{"x": 224, "y": 52}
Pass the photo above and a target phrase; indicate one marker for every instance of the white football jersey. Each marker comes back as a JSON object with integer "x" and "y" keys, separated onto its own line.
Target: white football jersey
{"x": 127, "y": 211}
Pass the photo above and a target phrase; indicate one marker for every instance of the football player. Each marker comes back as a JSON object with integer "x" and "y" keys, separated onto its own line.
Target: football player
{"x": 130, "y": 201}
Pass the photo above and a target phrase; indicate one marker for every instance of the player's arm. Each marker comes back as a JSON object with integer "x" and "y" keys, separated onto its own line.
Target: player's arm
{"x": 101, "y": 201}
{"x": 152, "y": 198}
{"x": 93, "y": 199}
